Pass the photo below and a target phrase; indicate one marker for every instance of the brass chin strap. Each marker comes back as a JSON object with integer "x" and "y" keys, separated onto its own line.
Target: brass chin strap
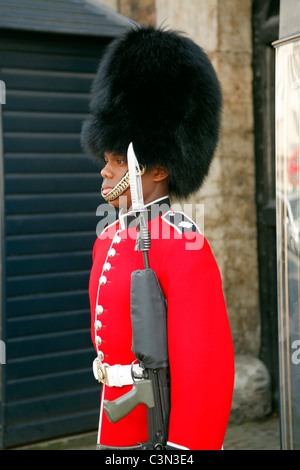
{"x": 121, "y": 187}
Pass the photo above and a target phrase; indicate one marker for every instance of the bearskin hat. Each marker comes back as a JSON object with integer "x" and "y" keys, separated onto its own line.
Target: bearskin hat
{"x": 157, "y": 89}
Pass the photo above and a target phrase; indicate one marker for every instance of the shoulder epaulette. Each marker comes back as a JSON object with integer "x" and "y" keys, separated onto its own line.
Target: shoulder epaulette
{"x": 180, "y": 221}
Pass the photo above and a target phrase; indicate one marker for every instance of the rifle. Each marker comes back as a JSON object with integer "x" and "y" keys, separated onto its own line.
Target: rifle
{"x": 149, "y": 334}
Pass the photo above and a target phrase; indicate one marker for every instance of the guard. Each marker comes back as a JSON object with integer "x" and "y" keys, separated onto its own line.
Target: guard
{"x": 157, "y": 90}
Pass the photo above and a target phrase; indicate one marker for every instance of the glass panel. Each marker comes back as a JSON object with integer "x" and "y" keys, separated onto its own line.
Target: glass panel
{"x": 288, "y": 238}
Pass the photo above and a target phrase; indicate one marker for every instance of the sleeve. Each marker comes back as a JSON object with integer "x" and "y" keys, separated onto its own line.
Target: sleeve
{"x": 95, "y": 247}
{"x": 200, "y": 349}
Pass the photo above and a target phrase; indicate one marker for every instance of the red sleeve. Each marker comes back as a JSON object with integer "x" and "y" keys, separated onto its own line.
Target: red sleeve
{"x": 200, "y": 348}
{"x": 94, "y": 249}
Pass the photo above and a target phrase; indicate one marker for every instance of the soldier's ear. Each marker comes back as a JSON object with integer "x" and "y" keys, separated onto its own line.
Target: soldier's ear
{"x": 159, "y": 173}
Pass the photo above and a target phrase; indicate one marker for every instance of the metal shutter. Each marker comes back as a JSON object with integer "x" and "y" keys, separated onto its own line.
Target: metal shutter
{"x": 51, "y": 195}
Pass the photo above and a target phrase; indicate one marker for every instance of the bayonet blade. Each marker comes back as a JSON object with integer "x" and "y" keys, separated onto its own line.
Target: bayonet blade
{"x": 135, "y": 178}
{"x": 143, "y": 241}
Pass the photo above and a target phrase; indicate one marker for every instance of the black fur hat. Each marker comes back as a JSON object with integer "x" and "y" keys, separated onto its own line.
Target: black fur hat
{"x": 157, "y": 89}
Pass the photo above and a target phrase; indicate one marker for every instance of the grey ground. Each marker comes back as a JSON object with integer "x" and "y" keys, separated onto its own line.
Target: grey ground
{"x": 257, "y": 435}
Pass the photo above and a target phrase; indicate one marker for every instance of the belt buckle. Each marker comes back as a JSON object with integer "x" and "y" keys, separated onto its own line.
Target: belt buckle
{"x": 101, "y": 372}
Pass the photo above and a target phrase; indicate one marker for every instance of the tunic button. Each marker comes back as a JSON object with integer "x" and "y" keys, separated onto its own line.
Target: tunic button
{"x": 103, "y": 280}
{"x": 98, "y": 341}
{"x": 112, "y": 253}
{"x": 107, "y": 267}
{"x": 117, "y": 239}
{"x": 99, "y": 310}
{"x": 101, "y": 356}
{"x": 98, "y": 325}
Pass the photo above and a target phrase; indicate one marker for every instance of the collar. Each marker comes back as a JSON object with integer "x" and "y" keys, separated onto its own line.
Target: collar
{"x": 155, "y": 208}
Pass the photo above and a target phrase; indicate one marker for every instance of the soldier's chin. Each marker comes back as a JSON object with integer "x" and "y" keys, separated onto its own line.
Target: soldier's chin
{"x": 117, "y": 191}
{"x": 122, "y": 200}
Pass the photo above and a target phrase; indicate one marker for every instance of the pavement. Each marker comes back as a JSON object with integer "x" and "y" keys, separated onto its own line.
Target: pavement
{"x": 254, "y": 435}
{"x": 250, "y": 435}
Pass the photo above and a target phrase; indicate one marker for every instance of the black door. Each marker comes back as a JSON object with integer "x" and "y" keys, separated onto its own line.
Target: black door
{"x": 265, "y": 31}
{"x": 51, "y": 193}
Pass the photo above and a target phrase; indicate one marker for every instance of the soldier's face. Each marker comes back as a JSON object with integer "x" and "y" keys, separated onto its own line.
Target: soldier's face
{"x": 112, "y": 173}
{"x": 154, "y": 181}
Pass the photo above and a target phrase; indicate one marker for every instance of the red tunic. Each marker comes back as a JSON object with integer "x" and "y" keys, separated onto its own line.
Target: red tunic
{"x": 199, "y": 338}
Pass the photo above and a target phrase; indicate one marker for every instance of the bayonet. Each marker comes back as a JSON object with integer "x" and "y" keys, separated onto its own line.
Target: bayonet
{"x": 135, "y": 179}
{"x": 143, "y": 242}
{"x": 149, "y": 331}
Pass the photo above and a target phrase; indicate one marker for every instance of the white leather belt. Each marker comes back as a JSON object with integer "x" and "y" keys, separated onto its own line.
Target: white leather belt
{"x": 117, "y": 375}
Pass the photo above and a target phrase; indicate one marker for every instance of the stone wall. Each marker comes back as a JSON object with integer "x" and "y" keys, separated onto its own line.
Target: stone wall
{"x": 112, "y": 4}
{"x": 141, "y": 11}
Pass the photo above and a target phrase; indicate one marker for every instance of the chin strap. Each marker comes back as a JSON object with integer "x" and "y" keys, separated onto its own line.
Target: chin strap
{"x": 121, "y": 187}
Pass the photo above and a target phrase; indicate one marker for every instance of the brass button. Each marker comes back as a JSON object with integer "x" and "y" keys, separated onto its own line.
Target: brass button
{"x": 98, "y": 325}
{"x": 107, "y": 267}
{"x": 99, "y": 310}
{"x": 101, "y": 356}
{"x": 117, "y": 240}
{"x": 112, "y": 253}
